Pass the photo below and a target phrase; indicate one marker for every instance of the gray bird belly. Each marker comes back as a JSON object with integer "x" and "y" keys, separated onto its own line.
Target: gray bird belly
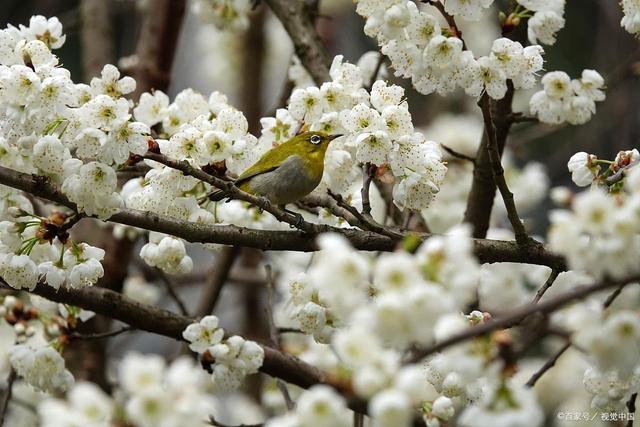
{"x": 286, "y": 184}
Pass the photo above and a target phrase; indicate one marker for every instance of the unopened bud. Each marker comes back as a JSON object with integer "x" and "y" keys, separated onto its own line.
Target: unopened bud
{"x": 19, "y": 328}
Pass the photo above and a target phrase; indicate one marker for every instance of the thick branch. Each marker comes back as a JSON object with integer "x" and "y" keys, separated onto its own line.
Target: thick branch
{"x": 159, "y": 321}
{"x": 298, "y": 21}
{"x": 483, "y": 188}
{"x": 219, "y": 275}
{"x": 485, "y": 250}
{"x": 494, "y": 154}
{"x": 157, "y": 44}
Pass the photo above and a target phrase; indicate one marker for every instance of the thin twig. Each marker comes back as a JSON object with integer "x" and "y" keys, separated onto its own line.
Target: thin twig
{"x": 518, "y": 314}
{"x": 4, "y": 405}
{"x": 374, "y": 76}
{"x": 612, "y": 297}
{"x": 273, "y": 329}
{"x": 288, "y": 401}
{"x": 552, "y": 277}
{"x": 631, "y": 408}
{"x": 548, "y": 365}
{"x": 100, "y": 335}
{"x": 358, "y": 420}
{"x": 171, "y": 291}
{"x": 498, "y": 172}
{"x": 367, "y": 175}
{"x": 457, "y": 154}
{"x": 287, "y": 330}
{"x": 219, "y": 275}
{"x": 216, "y": 423}
{"x": 368, "y": 223}
{"x": 449, "y": 18}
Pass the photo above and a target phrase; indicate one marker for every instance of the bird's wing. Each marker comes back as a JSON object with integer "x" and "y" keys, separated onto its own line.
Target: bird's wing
{"x": 274, "y": 157}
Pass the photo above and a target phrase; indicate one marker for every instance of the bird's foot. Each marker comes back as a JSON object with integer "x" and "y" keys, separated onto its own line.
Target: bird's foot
{"x": 299, "y": 218}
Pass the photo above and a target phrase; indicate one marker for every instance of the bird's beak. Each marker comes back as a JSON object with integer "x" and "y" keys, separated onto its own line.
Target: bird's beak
{"x": 332, "y": 137}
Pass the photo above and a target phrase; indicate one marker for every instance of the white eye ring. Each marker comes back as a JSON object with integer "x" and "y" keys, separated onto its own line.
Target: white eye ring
{"x": 315, "y": 139}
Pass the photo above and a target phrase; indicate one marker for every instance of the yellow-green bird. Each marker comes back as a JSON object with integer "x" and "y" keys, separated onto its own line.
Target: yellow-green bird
{"x": 288, "y": 172}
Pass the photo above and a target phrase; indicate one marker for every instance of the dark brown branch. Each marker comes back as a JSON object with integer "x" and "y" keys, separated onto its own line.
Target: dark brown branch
{"x": 376, "y": 71}
{"x": 367, "y": 175}
{"x": 449, "y": 18}
{"x": 485, "y": 250}
{"x": 483, "y": 188}
{"x": 161, "y": 24}
{"x": 544, "y": 288}
{"x": 171, "y": 291}
{"x": 611, "y": 298}
{"x": 159, "y": 321}
{"x": 100, "y": 335}
{"x": 631, "y": 408}
{"x": 216, "y": 423}
{"x": 494, "y": 154}
{"x": 548, "y": 365}
{"x": 457, "y": 154}
{"x": 366, "y": 221}
{"x": 517, "y": 315}
{"x": 219, "y": 275}
{"x": 6, "y": 397}
{"x": 298, "y": 21}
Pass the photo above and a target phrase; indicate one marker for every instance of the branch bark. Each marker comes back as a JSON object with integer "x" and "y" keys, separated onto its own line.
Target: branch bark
{"x": 96, "y": 36}
{"x": 485, "y": 250}
{"x": 156, "y": 46}
{"x": 219, "y": 275}
{"x": 299, "y": 24}
{"x": 483, "y": 188}
{"x": 494, "y": 153}
{"x": 162, "y": 322}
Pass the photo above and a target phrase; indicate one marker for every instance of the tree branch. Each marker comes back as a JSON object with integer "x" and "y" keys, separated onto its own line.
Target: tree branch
{"x": 299, "y": 24}
{"x": 483, "y": 187}
{"x": 171, "y": 291}
{"x": 6, "y": 397}
{"x": 161, "y": 25}
{"x": 100, "y": 335}
{"x": 219, "y": 275}
{"x": 494, "y": 155}
{"x": 548, "y": 365}
{"x": 162, "y": 322}
{"x": 485, "y": 250}
{"x": 518, "y": 314}
{"x": 544, "y": 288}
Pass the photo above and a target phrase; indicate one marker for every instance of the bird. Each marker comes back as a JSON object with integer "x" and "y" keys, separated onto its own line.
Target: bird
{"x": 286, "y": 173}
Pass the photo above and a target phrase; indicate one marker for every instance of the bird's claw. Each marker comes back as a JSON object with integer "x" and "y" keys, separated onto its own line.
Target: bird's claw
{"x": 299, "y": 220}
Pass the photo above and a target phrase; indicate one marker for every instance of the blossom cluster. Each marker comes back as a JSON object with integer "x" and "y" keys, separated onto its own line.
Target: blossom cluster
{"x": 233, "y": 358}
{"x": 436, "y": 62}
{"x": 599, "y": 232}
{"x": 566, "y": 100}
{"x": 631, "y": 19}
{"x": 547, "y": 19}
{"x": 384, "y": 307}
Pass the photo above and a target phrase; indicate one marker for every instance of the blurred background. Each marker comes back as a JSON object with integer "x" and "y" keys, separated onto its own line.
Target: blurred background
{"x": 251, "y": 68}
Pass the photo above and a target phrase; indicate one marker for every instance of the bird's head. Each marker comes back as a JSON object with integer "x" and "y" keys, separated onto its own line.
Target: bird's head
{"x": 313, "y": 141}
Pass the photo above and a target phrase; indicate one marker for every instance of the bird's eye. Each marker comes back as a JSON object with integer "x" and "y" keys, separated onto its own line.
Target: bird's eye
{"x": 315, "y": 139}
